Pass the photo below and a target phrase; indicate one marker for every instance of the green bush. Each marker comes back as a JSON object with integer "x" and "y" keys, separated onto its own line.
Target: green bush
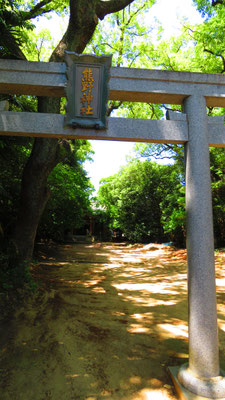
{"x": 14, "y": 272}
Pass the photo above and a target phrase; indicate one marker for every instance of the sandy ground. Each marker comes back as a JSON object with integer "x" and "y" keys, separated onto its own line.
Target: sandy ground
{"x": 106, "y": 322}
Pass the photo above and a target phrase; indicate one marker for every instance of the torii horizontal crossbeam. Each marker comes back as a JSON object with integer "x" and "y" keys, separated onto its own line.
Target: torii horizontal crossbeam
{"x": 126, "y": 84}
{"x": 136, "y": 130}
{"x": 52, "y": 125}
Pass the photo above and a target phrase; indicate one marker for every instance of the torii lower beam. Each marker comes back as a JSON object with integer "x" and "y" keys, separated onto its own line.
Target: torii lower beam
{"x": 135, "y": 130}
{"x": 52, "y": 125}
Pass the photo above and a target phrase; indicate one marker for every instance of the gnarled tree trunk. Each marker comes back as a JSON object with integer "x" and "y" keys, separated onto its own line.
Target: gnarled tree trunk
{"x": 34, "y": 189}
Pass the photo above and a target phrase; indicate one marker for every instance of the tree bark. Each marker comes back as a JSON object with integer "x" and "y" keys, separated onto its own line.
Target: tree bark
{"x": 34, "y": 189}
{"x": 34, "y": 194}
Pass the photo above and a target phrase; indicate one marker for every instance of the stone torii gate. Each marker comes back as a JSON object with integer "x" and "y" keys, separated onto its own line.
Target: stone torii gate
{"x": 195, "y": 91}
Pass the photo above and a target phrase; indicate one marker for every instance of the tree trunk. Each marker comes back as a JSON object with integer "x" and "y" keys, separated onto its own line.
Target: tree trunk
{"x": 34, "y": 189}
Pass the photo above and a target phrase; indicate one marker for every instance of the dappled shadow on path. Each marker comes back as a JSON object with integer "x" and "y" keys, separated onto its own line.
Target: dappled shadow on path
{"x": 109, "y": 320}
{"x": 127, "y": 313}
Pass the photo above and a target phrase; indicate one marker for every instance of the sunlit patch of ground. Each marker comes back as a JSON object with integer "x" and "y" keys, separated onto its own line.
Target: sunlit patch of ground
{"x": 107, "y": 321}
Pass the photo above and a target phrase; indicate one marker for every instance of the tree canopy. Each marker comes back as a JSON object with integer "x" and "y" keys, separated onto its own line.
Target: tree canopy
{"x": 143, "y": 200}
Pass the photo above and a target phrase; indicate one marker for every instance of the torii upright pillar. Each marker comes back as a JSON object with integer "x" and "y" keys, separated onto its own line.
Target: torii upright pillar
{"x": 202, "y": 375}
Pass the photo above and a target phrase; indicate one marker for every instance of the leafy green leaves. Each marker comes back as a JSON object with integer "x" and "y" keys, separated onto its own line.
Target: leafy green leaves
{"x": 16, "y": 25}
{"x": 70, "y": 194}
{"x": 140, "y": 200}
{"x": 123, "y": 34}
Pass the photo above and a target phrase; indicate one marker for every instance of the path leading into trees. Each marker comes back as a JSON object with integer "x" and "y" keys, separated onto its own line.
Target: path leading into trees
{"x": 107, "y": 321}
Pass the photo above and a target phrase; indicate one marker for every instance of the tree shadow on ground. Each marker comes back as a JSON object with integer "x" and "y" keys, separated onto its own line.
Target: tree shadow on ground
{"x": 107, "y": 322}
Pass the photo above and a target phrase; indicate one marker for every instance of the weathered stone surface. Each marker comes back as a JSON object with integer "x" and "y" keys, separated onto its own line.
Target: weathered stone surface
{"x": 175, "y": 116}
{"x": 203, "y": 343}
{"x": 4, "y": 105}
{"x": 212, "y": 388}
{"x": 183, "y": 393}
{"x": 128, "y": 84}
{"x": 202, "y": 375}
{"x": 216, "y": 120}
{"x": 152, "y": 131}
{"x": 34, "y": 78}
{"x": 33, "y": 124}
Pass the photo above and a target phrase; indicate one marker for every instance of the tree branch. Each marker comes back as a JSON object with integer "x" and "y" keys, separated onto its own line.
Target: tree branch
{"x": 9, "y": 42}
{"x": 113, "y": 105}
{"x": 132, "y": 61}
{"x": 157, "y": 152}
{"x": 108, "y": 7}
{"x": 217, "y": 55}
{"x": 210, "y": 52}
{"x": 109, "y": 45}
{"x": 83, "y": 20}
{"x": 171, "y": 109}
{"x": 215, "y": 2}
{"x": 161, "y": 157}
{"x": 82, "y": 23}
{"x": 16, "y": 18}
{"x": 135, "y": 13}
{"x": 37, "y": 10}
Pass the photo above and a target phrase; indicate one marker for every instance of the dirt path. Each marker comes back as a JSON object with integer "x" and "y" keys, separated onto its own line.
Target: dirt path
{"x": 106, "y": 323}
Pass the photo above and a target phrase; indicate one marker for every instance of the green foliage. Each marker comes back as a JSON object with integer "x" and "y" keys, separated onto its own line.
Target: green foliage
{"x": 70, "y": 194}
{"x": 102, "y": 229}
{"x": 38, "y": 46}
{"x": 205, "y": 50}
{"x": 14, "y": 272}
{"x": 217, "y": 158}
{"x": 173, "y": 213}
{"x": 68, "y": 183}
{"x": 14, "y": 152}
{"x": 12, "y": 25}
{"x": 208, "y": 7}
{"x": 123, "y": 34}
{"x": 140, "y": 110}
{"x": 136, "y": 200}
{"x": 17, "y": 28}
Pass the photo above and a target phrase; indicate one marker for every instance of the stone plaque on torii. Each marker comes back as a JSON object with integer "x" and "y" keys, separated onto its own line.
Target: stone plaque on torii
{"x": 195, "y": 91}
